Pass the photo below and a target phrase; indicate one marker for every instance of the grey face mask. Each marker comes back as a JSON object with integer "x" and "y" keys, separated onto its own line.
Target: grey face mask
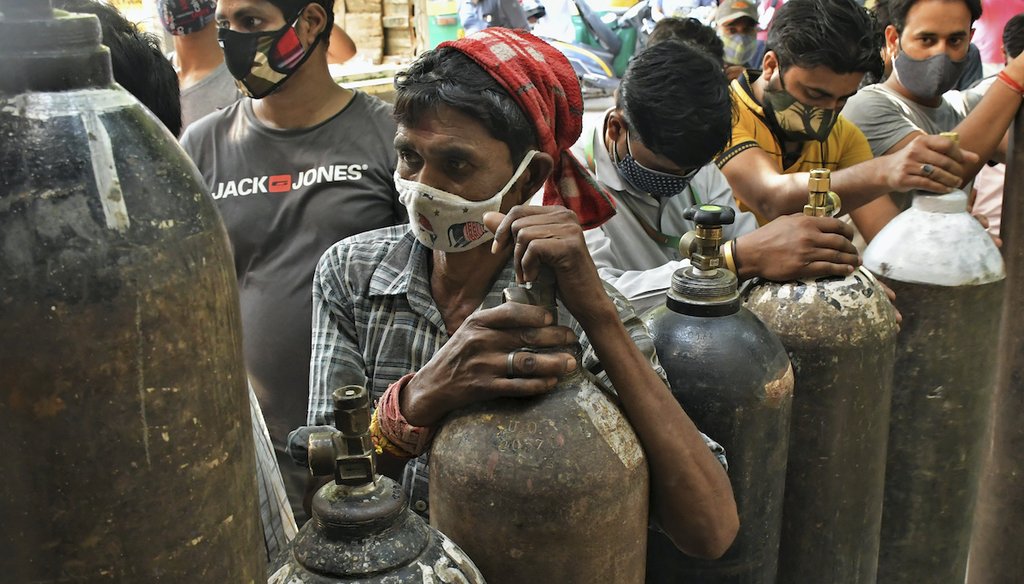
{"x": 928, "y": 78}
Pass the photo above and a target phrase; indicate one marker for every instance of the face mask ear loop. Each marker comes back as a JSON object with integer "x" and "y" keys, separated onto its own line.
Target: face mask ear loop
{"x": 518, "y": 173}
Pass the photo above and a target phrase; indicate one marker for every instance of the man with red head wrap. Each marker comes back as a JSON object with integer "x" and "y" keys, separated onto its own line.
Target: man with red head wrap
{"x": 414, "y": 312}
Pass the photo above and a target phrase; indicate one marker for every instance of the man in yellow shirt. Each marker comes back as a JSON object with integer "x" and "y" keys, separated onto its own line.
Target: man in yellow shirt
{"x": 788, "y": 121}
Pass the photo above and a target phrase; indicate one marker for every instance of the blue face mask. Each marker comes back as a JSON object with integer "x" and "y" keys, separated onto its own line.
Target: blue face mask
{"x": 655, "y": 183}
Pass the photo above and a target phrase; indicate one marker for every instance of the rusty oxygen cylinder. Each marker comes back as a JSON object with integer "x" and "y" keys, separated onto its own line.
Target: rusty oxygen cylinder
{"x": 997, "y": 542}
{"x": 840, "y": 333}
{"x": 733, "y": 378}
{"x": 948, "y": 277}
{"x": 128, "y": 446}
{"x": 552, "y": 488}
{"x": 362, "y": 529}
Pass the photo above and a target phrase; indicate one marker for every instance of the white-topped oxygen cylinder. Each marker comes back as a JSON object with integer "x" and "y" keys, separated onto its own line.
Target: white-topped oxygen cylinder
{"x": 948, "y": 278}
{"x": 936, "y": 241}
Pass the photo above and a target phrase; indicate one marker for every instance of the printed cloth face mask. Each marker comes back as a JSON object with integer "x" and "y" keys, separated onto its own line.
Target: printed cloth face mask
{"x": 739, "y": 48}
{"x": 928, "y": 78}
{"x": 261, "y": 62}
{"x": 446, "y": 222}
{"x": 795, "y": 121}
{"x": 655, "y": 183}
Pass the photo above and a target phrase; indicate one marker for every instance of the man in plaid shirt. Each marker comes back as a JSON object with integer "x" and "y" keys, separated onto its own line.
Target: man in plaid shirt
{"x": 414, "y": 312}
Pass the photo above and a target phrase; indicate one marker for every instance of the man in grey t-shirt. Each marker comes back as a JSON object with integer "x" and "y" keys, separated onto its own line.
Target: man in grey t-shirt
{"x": 206, "y": 85}
{"x": 928, "y": 41}
{"x": 302, "y": 164}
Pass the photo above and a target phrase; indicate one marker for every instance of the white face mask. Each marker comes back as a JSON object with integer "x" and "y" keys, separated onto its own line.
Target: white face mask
{"x": 446, "y": 222}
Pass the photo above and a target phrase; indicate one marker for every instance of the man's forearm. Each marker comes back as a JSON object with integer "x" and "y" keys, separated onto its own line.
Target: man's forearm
{"x": 691, "y": 495}
{"x": 983, "y": 130}
{"x": 772, "y": 195}
{"x": 861, "y": 183}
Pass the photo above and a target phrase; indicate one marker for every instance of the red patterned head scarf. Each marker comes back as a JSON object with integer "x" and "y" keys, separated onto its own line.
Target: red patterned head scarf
{"x": 542, "y": 82}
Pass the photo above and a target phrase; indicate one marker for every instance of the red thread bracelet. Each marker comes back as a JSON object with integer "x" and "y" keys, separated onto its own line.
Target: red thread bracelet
{"x": 1011, "y": 83}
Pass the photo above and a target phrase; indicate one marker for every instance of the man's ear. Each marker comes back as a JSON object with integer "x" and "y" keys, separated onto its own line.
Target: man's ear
{"x": 615, "y": 127}
{"x": 313, "y": 22}
{"x": 536, "y": 173}
{"x": 892, "y": 41}
{"x": 769, "y": 63}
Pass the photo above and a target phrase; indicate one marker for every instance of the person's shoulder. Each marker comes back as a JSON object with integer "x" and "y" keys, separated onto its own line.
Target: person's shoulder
{"x": 850, "y": 143}
{"x": 869, "y": 100}
{"x": 363, "y": 252}
{"x": 845, "y": 128}
{"x": 709, "y": 175}
{"x": 373, "y": 107}
{"x": 213, "y": 124}
{"x": 377, "y": 242}
{"x": 369, "y": 117}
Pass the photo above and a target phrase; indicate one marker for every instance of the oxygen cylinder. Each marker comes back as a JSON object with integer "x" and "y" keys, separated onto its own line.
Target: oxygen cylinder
{"x": 733, "y": 378}
{"x": 948, "y": 277}
{"x": 552, "y": 488}
{"x": 840, "y": 333}
{"x": 997, "y": 544}
{"x": 128, "y": 446}
{"x": 362, "y": 530}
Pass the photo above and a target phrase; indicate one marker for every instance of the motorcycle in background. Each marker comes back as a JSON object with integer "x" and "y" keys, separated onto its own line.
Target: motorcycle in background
{"x": 605, "y": 42}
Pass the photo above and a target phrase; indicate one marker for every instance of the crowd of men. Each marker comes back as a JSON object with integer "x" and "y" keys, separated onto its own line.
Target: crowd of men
{"x": 372, "y": 241}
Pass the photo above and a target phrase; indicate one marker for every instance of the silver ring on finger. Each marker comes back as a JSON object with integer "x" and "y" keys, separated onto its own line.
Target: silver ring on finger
{"x": 927, "y": 169}
{"x": 510, "y": 362}
{"x": 510, "y": 365}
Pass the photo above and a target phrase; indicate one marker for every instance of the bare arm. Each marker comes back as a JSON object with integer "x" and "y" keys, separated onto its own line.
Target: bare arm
{"x": 757, "y": 182}
{"x": 871, "y": 218}
{"x": 341, "y": 48}
{"x": 691, "y": 497}
{"x": 983, "y": 130}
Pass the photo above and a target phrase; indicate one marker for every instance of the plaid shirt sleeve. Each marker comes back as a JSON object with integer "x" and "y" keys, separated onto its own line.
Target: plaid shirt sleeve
{"x": 275, "y": 512}
{"x": 336, "y": 360}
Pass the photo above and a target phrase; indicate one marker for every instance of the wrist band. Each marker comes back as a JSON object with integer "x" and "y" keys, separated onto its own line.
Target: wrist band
{"x": 1009, "y": 81}
{"x": 381, "y": 444}
{"x": 729, "y": 253}
{"x": 394, "y": 428}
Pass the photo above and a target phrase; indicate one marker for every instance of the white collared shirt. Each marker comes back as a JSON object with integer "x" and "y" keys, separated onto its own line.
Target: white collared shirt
{"x": 626, "y": 257}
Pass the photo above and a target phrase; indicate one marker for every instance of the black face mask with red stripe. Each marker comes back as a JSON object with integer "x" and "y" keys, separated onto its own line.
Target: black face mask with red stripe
{"x": 261, "y": 62}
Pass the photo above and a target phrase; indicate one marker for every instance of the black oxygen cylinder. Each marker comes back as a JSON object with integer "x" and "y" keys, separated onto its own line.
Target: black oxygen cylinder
{"x": 362, "y": 530}
{"x": 128, "y": 446}
{"x": 733, "y": 378}
{"x": 949, "y": 278}
{"x": 840, "y": 334}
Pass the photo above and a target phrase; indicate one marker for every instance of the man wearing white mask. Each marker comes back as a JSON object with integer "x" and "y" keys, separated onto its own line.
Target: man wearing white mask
{"x": 415, "y": 313}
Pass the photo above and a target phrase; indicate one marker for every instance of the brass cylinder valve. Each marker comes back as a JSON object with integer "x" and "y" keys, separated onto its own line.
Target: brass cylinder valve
{"x": 821, "y": 201}
{"x": 703, "y": 245}
{"x": 348, "y": 453}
